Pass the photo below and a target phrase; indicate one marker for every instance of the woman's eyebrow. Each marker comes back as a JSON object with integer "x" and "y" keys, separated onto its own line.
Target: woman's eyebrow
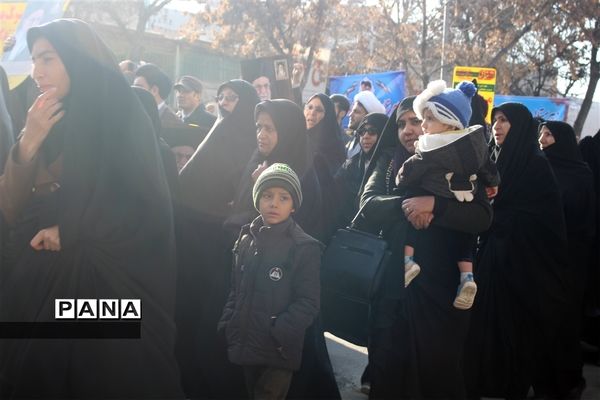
{"x": 43, "y": 53}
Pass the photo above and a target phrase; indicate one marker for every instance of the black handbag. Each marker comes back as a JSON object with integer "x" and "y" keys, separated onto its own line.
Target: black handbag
{"x": 351, "y": 271}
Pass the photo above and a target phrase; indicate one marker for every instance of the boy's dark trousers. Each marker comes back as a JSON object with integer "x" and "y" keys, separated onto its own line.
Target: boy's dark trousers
{"x": 267, "y": 383}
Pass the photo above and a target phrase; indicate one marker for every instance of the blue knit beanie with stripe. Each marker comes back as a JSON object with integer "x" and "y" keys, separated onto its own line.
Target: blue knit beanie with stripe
{"x": 449, "y": 106}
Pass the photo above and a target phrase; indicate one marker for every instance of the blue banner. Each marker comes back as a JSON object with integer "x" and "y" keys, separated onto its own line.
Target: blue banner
{"x": 553, "y": 109}
{"x": 387, "y": 86}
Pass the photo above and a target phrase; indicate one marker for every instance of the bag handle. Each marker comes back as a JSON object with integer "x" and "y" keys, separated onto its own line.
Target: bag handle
{"x": 358, "y": 215}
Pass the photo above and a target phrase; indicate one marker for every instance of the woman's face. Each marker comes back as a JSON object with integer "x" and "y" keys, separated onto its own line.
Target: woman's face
{"x": 546, "y": 138}
{"x": 368, "y": 137}
{"x": 228, "y": 99}
{"x": 500, "y": 127}
{"x": 48, "y": 70}
{"x": 313, "y": 112}
{"x": 266, "y": 134}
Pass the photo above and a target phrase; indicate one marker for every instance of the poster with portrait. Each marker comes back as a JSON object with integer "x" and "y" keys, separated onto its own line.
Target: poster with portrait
{"x": 388, "y": 87}
{"x": 270, "y": 76}
{"x": 315, "y": 79}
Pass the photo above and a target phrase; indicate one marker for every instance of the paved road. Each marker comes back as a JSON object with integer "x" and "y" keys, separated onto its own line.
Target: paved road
{"x": 349, "y": 361}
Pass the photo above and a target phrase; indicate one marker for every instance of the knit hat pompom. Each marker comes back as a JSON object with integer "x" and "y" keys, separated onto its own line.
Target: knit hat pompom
{"x": 449, "y": 106}
{"x": 468, "y": 88}
{"x": 278, "y": 175}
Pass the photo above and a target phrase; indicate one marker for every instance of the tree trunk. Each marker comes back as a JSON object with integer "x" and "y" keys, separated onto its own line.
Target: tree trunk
{"x": 589, "y": 94}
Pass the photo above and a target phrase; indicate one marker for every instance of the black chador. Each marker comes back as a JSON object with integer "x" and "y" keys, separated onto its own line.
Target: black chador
{"x": 208, "y": 184}
{"x": 99, "y": 178}
{"x": 520, "y": 268}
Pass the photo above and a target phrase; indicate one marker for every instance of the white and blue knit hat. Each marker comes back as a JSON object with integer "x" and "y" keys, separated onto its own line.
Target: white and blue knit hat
{"x": 449, "y": 106}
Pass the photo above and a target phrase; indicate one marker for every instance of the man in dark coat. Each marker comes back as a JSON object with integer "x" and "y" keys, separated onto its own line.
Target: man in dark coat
{"x": 189, "y": 100}
{"x": 154, "y": 80}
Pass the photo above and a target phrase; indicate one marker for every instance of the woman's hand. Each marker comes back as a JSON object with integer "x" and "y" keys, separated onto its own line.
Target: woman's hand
{"x": 47, "y": 239}
{"x": 419, "y": 211}
{"x": 41, "y": 117}
{"x": 259, "y": 170}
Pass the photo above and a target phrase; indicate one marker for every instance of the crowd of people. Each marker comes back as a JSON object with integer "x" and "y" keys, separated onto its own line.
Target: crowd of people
{"x": 217, "y": 224}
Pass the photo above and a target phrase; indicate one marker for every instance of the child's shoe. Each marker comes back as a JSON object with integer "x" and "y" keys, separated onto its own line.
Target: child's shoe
{"x": 465, "y": 294}
{"x": 411, "y": 270}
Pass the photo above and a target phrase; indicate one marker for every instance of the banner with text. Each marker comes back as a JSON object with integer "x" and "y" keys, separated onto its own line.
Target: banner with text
{"x": 484, "y": 78}
{"x": 554, "y": 109}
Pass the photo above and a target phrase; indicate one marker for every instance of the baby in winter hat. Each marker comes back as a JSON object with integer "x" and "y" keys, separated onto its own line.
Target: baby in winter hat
{"x": 451, "y": 162}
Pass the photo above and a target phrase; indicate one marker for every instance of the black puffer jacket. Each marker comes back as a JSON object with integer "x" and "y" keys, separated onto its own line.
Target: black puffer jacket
{"x": 274, "y": 294}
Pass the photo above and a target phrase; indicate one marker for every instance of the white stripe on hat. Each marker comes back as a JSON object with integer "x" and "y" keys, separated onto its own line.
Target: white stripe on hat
{"x": 443, "y": 114}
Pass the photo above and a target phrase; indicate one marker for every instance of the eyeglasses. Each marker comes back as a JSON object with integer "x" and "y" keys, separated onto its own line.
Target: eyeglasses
{"x": 310, "y": 107}
{"x": 368, "y": 131}
{"x": 230, "y": 97}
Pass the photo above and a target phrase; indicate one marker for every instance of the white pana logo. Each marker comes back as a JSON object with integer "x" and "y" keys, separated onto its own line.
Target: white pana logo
{"x": 275, "y": 274}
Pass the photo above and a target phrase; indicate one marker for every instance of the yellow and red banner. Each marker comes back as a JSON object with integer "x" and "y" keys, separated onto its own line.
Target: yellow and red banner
{"x": 486, "y": 82}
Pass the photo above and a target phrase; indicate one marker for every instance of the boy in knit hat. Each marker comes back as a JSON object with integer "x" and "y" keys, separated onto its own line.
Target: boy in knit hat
{"x": 451, "y": 160}
{"x": 275, "y": 287}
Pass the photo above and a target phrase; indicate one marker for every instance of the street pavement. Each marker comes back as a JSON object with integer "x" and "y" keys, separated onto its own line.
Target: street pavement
{"x": 349, "y": 362}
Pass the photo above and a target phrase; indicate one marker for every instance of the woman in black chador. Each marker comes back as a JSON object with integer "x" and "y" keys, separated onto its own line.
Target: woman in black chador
{"x": 208, "y": 184}
{"x": 327, "y": 152}
{"x": 285, "y": 142}
{"x": 323, "y": 131}
{"x": 521, "y": 265}
{"x": 96, "y": 225}
{"x": 350, "y": 176}
{"x": 576, "y": 183}
{"x": 416, "y": 336}
{"x": 590, "y": 152}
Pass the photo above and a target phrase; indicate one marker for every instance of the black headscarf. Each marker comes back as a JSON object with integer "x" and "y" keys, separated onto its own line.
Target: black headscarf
{"x": 291, "y": 149}
{"x": 324, "y": 139}
{"x": 103, "y": 121}
{"x": 520, "y": 145}
{"x": 564, "y": 149}
{"x": 116, "y": 231}
{"x": 351, "y": 175}
{"x": 376, "y": 120}
{"x": 379, "y": 122}
{"x": 388, "y": 142}
{"x": 292, "y": 140}
{"x": 209, "y": 180}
